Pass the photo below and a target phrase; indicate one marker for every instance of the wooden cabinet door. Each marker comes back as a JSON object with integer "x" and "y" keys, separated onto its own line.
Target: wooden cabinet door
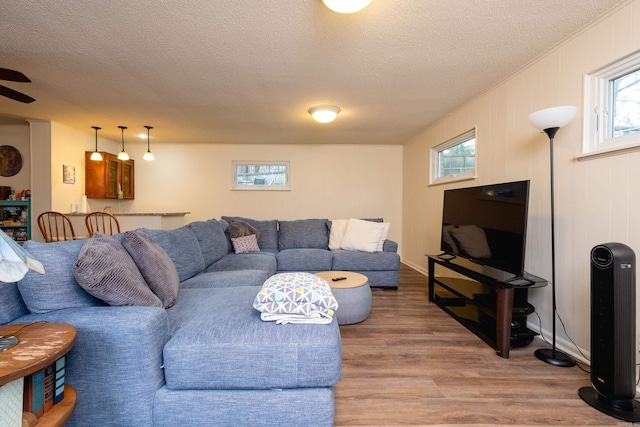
{"x": 113, "y": 173}
{"x": 127, "y": 179}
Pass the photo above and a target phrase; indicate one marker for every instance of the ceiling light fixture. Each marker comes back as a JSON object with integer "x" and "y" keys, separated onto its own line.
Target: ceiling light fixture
{"x": 324, "y": 113}
{"x": 123, "y": 154}
{"x": 346, "y": 6}
{"x": 96, "y": 155}
{"x": 148, "y": 155}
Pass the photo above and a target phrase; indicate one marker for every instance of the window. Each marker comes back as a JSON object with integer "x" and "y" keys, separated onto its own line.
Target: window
{"x": 612, "y": 107}
{"x": 260, "y": 175}
{"x": 455, "y": 159}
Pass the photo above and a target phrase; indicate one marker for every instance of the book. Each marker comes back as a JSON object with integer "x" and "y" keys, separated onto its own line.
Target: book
{"x": 34, "y": 393}
{"x": 59, "y": 381}
{"x": 49, "y": 386}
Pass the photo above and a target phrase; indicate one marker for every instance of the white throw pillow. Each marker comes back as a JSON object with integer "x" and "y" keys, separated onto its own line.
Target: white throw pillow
{"x": 383, "y": 237}
{"x": 338, "y": 228}
{"x": 362, "y": 235}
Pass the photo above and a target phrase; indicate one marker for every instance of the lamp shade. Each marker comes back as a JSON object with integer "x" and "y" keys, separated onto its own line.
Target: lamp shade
{"x": 15, "y": 261}
{"x": 554, "y": 117}
{"x": 324, "y": 113}
{"x": 346, "y": 6}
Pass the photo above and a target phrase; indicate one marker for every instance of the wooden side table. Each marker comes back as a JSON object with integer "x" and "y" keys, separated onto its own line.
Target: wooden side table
{"x": 41, "y": 344}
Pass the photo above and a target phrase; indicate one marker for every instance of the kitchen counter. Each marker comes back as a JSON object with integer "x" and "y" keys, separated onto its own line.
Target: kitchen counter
{"x": 133, "y": 220}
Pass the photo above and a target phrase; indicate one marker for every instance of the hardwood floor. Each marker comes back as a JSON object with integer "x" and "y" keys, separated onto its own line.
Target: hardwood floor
{"x": 410, "y": 363}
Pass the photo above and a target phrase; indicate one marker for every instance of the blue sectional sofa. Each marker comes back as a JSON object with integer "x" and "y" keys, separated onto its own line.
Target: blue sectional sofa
{"x": 208, "y": 359}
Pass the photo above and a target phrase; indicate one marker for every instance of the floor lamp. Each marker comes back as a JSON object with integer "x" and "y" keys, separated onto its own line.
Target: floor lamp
{"x": 550, "y": 120}
{"x": 15, "y": 262}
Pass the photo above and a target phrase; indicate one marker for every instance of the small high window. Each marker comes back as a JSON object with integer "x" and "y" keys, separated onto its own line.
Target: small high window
{"x": 612, "y": 107}
{"x": 260, "y": 175}
{"x": 455, "y": 159}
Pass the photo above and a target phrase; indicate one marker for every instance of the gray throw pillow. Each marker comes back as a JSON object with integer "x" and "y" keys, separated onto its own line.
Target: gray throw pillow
{"x": 154, "y": 263}
{"x": 238, "y": 228}
{"x": 105, "y": 269}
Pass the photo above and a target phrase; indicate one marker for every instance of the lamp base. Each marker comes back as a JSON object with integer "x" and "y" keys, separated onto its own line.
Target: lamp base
{"x": 8, "y": 342}
{"x": 554, "y": 357}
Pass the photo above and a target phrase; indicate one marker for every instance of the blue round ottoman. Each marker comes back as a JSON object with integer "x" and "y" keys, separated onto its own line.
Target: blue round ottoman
{"x": 352, "y": 293}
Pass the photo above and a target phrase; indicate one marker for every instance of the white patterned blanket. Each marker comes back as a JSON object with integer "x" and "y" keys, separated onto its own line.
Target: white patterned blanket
{"x": 296, "y": 298}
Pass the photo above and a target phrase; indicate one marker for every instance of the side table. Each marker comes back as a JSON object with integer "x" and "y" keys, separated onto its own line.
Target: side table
{"x": 352, "y": 293}
{"x": 41, "y": 344}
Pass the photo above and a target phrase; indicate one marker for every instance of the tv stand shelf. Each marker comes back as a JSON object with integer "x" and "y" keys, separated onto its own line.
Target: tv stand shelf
{"x": 494, "y": 309}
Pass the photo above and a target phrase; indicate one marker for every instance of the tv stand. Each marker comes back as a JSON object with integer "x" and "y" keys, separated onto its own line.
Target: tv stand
{"x": 495, "y": 309}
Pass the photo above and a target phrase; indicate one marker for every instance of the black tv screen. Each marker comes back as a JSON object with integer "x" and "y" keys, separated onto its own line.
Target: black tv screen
{"x": 487, "y": 224}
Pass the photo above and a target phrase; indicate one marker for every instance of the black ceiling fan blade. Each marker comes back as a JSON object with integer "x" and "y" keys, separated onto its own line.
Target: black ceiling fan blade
{"x": 13, "y": 76}
{"x": 10, "y": 93}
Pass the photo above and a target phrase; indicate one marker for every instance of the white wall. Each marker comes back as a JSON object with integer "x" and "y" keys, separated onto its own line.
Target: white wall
{"x": 597, "y": 200}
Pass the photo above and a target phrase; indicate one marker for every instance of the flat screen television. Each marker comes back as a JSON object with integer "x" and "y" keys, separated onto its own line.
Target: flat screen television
{"x": 487, "y": 224}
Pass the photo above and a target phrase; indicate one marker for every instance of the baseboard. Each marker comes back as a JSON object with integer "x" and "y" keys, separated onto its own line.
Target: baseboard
{"x": 416, "y": 267}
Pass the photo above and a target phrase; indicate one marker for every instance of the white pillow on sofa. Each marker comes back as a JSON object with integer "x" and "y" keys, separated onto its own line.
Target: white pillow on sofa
{"x": 338, "y": 228}
{"x": 364, "y": 236}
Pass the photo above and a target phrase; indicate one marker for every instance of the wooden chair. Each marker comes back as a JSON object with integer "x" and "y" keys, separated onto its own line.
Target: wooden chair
{"x": 102, "y": 222}
{"x": 55, "y": 226}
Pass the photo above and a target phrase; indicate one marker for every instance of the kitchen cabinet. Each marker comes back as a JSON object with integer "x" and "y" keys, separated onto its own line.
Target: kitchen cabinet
{"x": 109, "y": 178}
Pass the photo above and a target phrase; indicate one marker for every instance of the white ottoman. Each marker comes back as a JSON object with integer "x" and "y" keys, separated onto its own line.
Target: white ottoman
{"x": 353, "y": 295}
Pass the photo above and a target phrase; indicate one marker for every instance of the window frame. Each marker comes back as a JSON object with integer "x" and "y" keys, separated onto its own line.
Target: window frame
{"x": 597, "y": 122}
{"x": 259, "y": 187}
{"x": 434, "y": 178}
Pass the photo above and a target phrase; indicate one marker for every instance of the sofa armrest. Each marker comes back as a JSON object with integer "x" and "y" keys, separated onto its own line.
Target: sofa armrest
{"x": 389, "y": 246}
{"x": 115, "y": 365}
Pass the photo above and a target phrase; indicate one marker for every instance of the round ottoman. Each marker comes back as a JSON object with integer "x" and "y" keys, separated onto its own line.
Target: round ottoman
{"x": 353, "y": 295}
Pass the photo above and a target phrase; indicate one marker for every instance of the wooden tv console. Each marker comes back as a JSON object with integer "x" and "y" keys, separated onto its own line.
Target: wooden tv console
{"x": 494, "y": 309}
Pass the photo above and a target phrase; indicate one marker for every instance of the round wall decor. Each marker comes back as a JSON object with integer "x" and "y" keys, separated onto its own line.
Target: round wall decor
{"x": 10, "y": 160}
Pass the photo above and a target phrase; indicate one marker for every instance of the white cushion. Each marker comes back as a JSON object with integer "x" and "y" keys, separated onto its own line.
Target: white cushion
{"x": 338, "y": 228}
{"x": 363, "y": 235}
{"x": 383, "y": 237}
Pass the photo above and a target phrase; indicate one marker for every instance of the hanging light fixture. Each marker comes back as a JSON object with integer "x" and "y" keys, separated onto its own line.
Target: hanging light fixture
{"x": 122, "y": 155}
{"x": 148, "y": 155}
{"x": 324, "y": 113}
{"x": 96, "y": 155}
{"x": 346, "y": 6}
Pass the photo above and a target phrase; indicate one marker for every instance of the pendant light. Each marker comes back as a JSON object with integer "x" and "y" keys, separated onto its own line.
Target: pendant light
{"x": 123, "y": 154}
{"x": 96, "y": 155}
{"x": 148, "y": 155}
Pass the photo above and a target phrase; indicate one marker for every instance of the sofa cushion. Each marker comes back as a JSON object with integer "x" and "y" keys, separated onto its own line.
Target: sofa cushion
{"x": 336, "y": 233}
{"x": 213, "y": 242}
{"x": 183, "y": 248}
{"x": 154, "y": 264}
{"x": 364, "y": 261}
{"x": 362, "y": 235}
{"x": 57, "y": 288}
{"x": 11, "y": 303}
{"x": 265, "y": 261}
{"x": 304, "y": 233}
{"x": 226, "y": 279}
{"x": 219, "y": 342}
{"x": 268, "y": 230}
{"x": 105, "y": 269}
{"x": 304, "y": 260}
{"x": 245, "y": 244}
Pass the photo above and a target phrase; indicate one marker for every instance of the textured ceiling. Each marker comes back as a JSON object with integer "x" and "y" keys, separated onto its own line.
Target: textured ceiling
{"x": 232, "y": 71}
